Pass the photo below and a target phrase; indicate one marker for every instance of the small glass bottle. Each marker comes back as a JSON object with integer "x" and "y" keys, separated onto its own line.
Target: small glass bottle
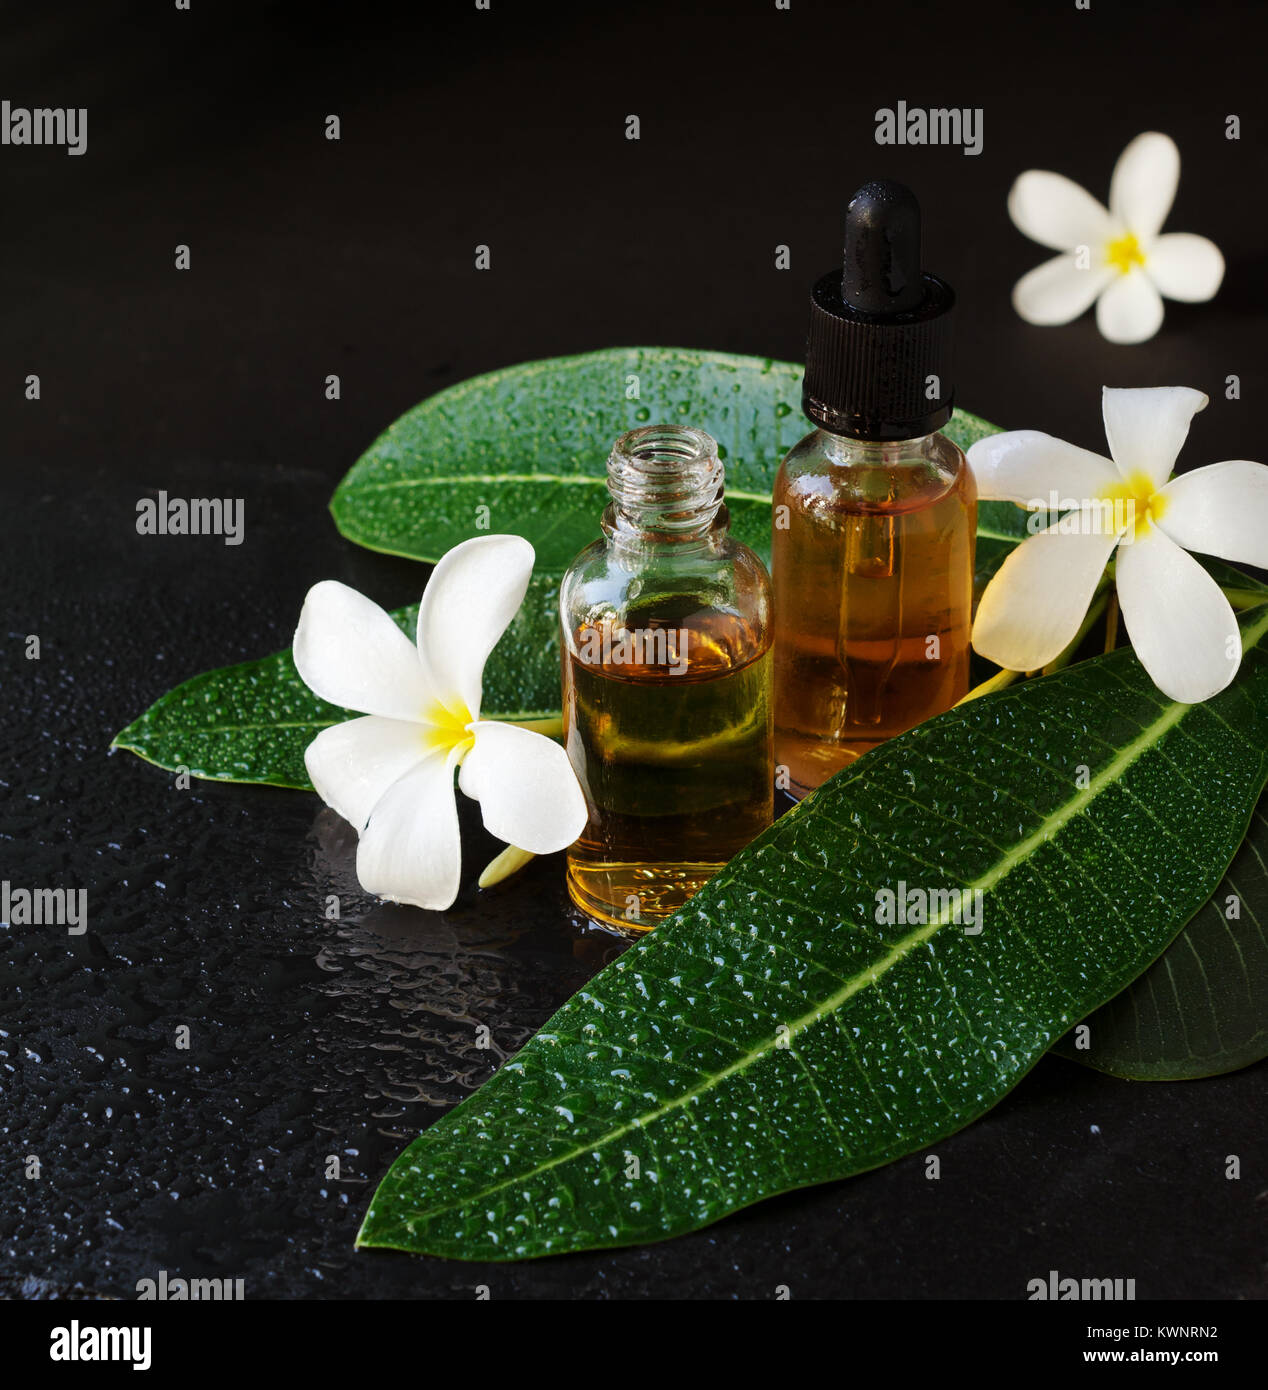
{"x": 875, "y": 512}
{"x": 666, "y": 678}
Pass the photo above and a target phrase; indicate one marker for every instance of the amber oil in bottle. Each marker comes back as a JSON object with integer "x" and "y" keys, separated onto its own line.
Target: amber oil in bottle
{"x": 874, "y": 627}
{"x": 666, "y": 672}
{"x": 875, "y": 511}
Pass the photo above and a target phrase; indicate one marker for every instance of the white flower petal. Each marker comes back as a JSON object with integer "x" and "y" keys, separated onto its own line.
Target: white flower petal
{"x": 348, "y": 651}
{"x": 1185, "y": 267}
{"x": 1146, "y": 427}
{"x": 1033, "y": 606}
{"x": 1025, "y": 466}
{"x": 472, "y": 595}
{"x": 351, "y": 765}
{"x": 1144, "y": 182}
{"x": 1181, "y": 625}
{"x": 1130, "y": 310}
{"x": 1220, "y": 510}
{"x": 528, "y": 793}
{"x": 1054, "y": 211}
{"x": 410, "y": 851}
{"x": 1059, "y": 290}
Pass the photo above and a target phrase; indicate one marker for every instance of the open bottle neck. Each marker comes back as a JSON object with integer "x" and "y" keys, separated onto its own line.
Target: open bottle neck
{"x": 666, "y": 483}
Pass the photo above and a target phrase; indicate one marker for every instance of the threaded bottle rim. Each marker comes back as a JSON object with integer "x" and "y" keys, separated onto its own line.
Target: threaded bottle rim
{"x": 666, "y": 479}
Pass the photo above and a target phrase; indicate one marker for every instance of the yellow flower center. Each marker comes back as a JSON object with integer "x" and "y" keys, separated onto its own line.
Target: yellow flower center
{"x": 1124, "y": 252}
{"x": 1136, "y": 503}
{"x": 445, "y": 728}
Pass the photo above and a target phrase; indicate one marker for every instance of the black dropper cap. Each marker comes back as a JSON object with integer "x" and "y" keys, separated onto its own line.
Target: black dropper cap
{"x": 878, "y": 355}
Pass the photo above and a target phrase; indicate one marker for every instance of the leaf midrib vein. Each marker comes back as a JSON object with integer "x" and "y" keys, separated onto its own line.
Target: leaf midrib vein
{"x": 255, "y": 728}
{"x": 568, "y": 479}
{"x": 1109, "y": 775}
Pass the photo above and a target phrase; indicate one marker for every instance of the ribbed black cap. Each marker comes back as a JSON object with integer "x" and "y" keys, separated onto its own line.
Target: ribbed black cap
{"x": 880, "y": 327}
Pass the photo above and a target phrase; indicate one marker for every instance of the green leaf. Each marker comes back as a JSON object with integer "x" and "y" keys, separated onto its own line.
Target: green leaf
{"x": 1201, "y": 1009}
{"x": 773, "y": 1035}
{"x": 252, "y": 722}
{"x": 530, "y": 443}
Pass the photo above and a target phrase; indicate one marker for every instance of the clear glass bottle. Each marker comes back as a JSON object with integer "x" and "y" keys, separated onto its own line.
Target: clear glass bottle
{"x": 875, "y": 512}
{"x": 666, "y": 626}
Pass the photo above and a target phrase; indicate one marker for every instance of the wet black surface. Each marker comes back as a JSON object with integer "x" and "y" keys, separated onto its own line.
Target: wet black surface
{"x": 312, "y": 1037}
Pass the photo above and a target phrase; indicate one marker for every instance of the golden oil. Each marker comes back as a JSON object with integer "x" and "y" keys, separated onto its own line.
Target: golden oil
{"x": 875, "y": 512}
{"x": 666, "y": 675}
{"x": 873, "y": 549}
{"x": 676, "y": 769}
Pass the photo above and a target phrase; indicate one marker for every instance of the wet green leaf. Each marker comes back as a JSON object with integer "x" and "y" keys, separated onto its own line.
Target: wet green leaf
{"x": 530, "y": 443}
{"x": 774, "y": 1034}
{"x": 1201, "y": 1009}
{"x": 525, "y": 449}
{"x": 252, "y": 722}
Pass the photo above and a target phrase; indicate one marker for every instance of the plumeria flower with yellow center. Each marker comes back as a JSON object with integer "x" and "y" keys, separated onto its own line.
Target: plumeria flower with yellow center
{"x": 391, "y": 773}
{"x": 1114, "y": 256}
{"x": 1179, "y": 620}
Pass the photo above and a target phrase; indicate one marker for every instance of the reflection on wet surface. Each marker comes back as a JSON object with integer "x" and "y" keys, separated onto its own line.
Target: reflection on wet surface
{"x": 429, "y": 1004}
{"x": 323, "y": 1025}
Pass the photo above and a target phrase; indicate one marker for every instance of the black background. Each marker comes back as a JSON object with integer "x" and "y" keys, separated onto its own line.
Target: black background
{"x": 311, "y": 257}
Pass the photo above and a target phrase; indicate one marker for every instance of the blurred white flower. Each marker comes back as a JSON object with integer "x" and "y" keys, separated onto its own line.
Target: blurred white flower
{"x": 1180, "y": 623}
{"x": 1116, "y": 256}
{"x": 390, "y": 774}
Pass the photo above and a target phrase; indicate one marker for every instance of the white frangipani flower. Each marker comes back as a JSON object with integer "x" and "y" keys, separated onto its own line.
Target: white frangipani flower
{"x": 391, "y": 773}
{"x": 1180, "y": 622}
{"x": 1114, "y": 256}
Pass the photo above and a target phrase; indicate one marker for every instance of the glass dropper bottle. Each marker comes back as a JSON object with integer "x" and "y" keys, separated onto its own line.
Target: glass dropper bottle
{"x": 875, "y": 511}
